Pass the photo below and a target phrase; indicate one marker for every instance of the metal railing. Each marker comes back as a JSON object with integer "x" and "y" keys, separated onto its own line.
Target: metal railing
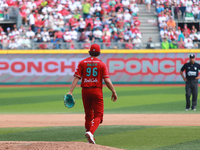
{"x": 82, "y": 45}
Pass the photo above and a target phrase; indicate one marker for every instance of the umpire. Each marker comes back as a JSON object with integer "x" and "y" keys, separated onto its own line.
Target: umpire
{"x": 192, "y": 75}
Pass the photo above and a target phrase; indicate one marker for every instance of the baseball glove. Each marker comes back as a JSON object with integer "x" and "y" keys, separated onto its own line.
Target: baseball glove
{"x": 69, "y": 101}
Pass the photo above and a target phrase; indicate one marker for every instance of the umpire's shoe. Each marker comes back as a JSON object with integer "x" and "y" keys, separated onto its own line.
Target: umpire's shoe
{"x": 90, "y": 137}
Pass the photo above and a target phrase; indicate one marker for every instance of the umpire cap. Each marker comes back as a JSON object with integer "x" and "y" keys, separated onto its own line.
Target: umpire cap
{"x": 192, "y": 56}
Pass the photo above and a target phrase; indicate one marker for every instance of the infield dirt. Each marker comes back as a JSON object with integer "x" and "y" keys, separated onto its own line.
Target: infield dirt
{"x": 78, "y": 120}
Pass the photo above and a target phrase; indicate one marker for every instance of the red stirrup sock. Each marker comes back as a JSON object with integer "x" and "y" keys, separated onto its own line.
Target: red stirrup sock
{"x": 88, "y": 125}
{"x": 95, "y": 125}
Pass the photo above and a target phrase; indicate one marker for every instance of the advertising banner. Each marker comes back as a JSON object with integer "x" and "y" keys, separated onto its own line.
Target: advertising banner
{"x": 123, "y": 68}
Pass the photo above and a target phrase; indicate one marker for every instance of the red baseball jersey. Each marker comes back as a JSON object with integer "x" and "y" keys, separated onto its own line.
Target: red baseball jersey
{"x": 91, "y": 70}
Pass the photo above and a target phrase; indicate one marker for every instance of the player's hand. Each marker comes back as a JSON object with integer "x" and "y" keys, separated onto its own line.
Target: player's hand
{"x": 185, "y": 79}
{"x": 70, "y": 93}
{"x": 197, "y": 77}
{"x": 114, "y": 96}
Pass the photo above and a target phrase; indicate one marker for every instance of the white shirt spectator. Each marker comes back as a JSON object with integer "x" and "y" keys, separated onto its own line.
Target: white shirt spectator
{"x": 127, "y": 16}
{"x": 74, "y": 34}
{"x": 67, "y": 36}
{"x": 12, "y": 45}
{"x": 189, "y": 9}
{"x": 193, "y": 35}
{"x": 30, "y": 34}
{"x": 15, "y": 33}
{"x": 125, "y": 3}
{"x": 195, "y": 10}
{"x": 78, "y": 4}
{"x": 163, "y": 32}
{"x": 135, "y": 9}
{"x": 92, "y": 10}
{"x": 27, "y": 43}
{"x": 31, "y": 5}
{"x": 56, "y": 15}
{"x": 45, "y": 36}
{"x": 72, "y": 7}
{"x": 31, "y": 19}
{"x": 97, "y": 33}
{"x": 189, "y": 3}
{"x": 63, "y": 2}
{"x": 82, "y": 24}
{"x": 189, "y": 45}
{"x": 97, "y": 23}
{"x": 162, "y": 18}
{"x": 46, "y": 10}
{"x": 97, "y": 7}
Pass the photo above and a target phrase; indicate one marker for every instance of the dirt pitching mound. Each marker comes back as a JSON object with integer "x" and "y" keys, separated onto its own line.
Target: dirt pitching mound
{"x": 12, "y": 145}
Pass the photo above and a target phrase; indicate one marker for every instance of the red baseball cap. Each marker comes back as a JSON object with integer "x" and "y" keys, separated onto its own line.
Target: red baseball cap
{"x": 95, "y": 48}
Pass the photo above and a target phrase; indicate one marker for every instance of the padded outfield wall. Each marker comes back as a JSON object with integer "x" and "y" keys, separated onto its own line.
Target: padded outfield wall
{"x": 124, "y": 66}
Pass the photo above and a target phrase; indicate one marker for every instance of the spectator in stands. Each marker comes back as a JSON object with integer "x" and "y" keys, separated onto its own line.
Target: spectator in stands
{"x": 91, "y": 38}
{"x": 67, "y": 36}
{"x": 82, "y": 25}
{"x": 165, "y": 43}
{"x": 137, "y": 22}
{"x": 192, "y": 35}
{"x": 30, "y": 34}
{"x": 148, "y": 5}
{"x": 6, "y": 13}
{"x": 196, "y": 42}
{"x": 82, "y": 37}
{"x": 58, "y": 35}
{"x": 45, "y": 35}
{"x": 97, "y": 34}
{"x": 98, "y": 24}
{"x": 39, "y": 38}
{"x": 12, "y": 44}
{"x": 150, "y": 44}
{"x": 26, "y": 43}
{"x": 195, "y": 11}
{"x": 57, "y": 45}
{"x": 137, "y": 42}
{"x": 173, "y": 44}
{"x": 189, "y": 43}
{"x": 74, "y": 34}
{"x": 134, "y": 10}
{"x": 32, "y": 20}
{"x": 127, "y": 16}
{"x": 181, "y": 44}
{"x": 159, "y": 8}
{"x": 171, "y": 23}
{"x": 86, "y": 8}
{"x": 181, "y": 36}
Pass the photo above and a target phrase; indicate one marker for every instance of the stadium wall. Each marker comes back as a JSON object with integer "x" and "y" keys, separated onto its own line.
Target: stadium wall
{"x": 125, "y": 66}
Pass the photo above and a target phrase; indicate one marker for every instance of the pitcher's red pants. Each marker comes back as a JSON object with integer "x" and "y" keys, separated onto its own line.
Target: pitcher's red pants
{"x": 93, "y": 105}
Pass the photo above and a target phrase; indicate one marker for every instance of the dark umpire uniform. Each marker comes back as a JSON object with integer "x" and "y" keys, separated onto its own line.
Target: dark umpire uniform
{"x": 192, "y": 75}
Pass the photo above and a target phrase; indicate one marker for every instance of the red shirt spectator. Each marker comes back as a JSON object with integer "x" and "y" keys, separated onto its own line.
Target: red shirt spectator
{"x": 106, "y": 7}
{"x": 58, "y": 35}
{"x": 10, "y": 3}
{"x": 64, "y": 12}
{"x": 120, "y": 24}
{"x": 89, "y": 22}
{"x": 137, "y": 22}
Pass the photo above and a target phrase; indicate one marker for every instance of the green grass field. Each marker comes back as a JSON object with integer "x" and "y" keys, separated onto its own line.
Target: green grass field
{"x": 40, "y": 100}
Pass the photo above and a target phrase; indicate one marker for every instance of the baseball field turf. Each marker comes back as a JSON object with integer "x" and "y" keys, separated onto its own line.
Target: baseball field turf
{"x": 131, "y": 100}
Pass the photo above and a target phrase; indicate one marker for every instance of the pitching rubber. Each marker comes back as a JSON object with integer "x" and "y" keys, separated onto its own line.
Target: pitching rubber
{"x": 90, "y": 137}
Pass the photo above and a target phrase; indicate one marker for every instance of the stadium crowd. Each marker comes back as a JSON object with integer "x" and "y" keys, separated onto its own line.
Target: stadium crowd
{"x": 172, "y": 36}
{"x": 52, "y": 22}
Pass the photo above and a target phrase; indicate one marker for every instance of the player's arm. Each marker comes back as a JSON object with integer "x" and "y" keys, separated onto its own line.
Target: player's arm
{"x": 181, "y": 72}
{"x": 111, "y": 87}
{"x": 73, "y": 85}
{"x": 198, "y": 77}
